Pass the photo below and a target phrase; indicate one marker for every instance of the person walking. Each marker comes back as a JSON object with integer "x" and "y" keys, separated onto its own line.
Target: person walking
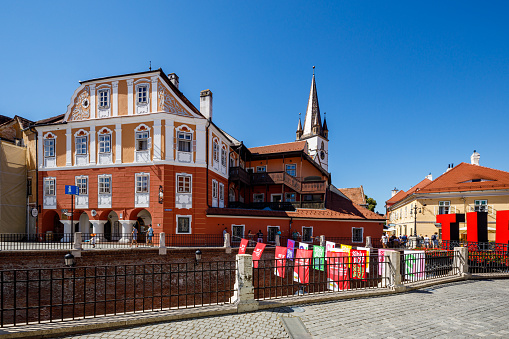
{"x": 259, "y": 236}
{"x": 134, "y": 235}
{"x": 250, "y": 236}
{"x": 434, "y": 240}
{"x": 426, "y": 241}
{"x": 384, "y": 240}
{"x": 150, "y": 234}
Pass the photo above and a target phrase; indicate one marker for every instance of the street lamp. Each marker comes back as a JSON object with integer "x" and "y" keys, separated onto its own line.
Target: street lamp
{"x": 198, "y": 256}
{"x": 69, "y": 260}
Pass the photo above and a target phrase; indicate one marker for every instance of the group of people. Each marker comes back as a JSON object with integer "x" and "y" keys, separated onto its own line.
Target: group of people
{"x": 148, "y": 239}
{"x": 402, "y": 241}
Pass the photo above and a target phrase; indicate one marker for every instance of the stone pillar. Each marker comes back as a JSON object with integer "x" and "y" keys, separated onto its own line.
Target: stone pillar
{"x": 127, "y": 228}
{"x": 394, "y": 270}
{"x": 278, "y": 240}
{"x": 413, "y": 242}
{"x": 98, "y": 229}
{"x": 227, "y": 244}
{"x": 243, "y": 296}
{"x": 322, "y": 240}
{"x": 162, "y": 243}
{"x": 461, "y": 261}
{"x": 77, "y": 241}
{"x": 68, "y": 229}
{"x": 368, "y": 242}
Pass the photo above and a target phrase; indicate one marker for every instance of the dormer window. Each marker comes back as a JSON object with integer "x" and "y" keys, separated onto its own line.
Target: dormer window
{"x": 142, "y": 95}
{"x": 104, "y": 98}
{"x": 81, "y": 145}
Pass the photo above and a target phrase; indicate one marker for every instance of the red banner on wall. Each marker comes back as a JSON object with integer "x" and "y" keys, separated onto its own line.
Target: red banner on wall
{"x": 301, "y": 268}
{"x": 358, "y": 269}
{"x": 338, "y": 272}
{"x": 257, "y": 253}
{"x": 243, "y": 246}
{"x": 280, "y": 261}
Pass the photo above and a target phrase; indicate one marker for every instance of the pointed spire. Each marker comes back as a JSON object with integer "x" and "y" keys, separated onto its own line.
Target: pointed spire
{"x": 299, "y": 129}
{"x": 313, "y": 110}
{"x": 324, "y": 127}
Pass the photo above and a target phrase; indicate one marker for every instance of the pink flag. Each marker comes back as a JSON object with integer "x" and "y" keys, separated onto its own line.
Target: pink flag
{"x": 257, "y": 253}
{"x": 338, "y": 273}
{"x": 301, "y": 267}
{"x": 243, "y": 246}
{"x": 280, "y": 261}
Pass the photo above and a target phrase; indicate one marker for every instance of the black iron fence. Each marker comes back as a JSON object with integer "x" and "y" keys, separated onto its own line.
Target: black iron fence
{"x": 475, "y": 246}
{"x": 48, "y": 295}
{"x": 425, "y": 265}
{"x": 488, "y": 261}
{"x": 283, "y": 278}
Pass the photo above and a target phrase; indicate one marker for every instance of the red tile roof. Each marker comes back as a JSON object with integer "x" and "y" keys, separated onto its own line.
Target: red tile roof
{"x": 459, "y": 179}
{"x": 279, "y": 148}
{"x": 417, "y": 188}
{"x": 397, "y": 197}
{"x": 356, "y": 194}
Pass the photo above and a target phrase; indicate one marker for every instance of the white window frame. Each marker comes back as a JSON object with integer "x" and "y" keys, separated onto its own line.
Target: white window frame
{"x": 78, "y": 180}
{"x": 141, "y": 176}
{"x": 223, "y": 157}
{"x": 270, "y": 226}
{"x": 103, "y": 102}
{"x": 446, "y": 205}
{"x": 142, "y": 136}
{"x": 138, "y": 94}
{"x": 101, "y": 186}
{"x": 104, "y": 145}
{"x": 185, "y": 138}
{"x": 276, "y": 194}
{"x": 51, "y": 147}
{"x": 215, "y": 150}
{"x": 362, "y": 234}
{"x": 79, "y": 142}
{"x": 182, "y": 188}
{"x": 260, "y": 194}
{"x": 221, "y": 195}
{"x": 289, "y": 170}
{"x": 50, "y": 193}
{"x": 479, "y": 206}
{"x": 215, "y": 193}
{"x": 294, "y": 199}
{"x": 261, "y": 169}
{"x": 233, "y": 233}
{"x": 311, "y": 237}
{"x": 190, "y": 217}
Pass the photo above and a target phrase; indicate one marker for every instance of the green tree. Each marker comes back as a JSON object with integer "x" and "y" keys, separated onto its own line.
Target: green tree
{"x": 371, "y": 203}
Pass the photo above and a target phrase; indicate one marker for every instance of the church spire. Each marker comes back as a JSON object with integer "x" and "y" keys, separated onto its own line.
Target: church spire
{"x": 312, "y": 111}
{"x": 299, "y": 129}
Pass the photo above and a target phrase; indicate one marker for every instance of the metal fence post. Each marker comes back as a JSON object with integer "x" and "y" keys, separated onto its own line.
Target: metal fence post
{"x": 162, "y": 244}
{"x": 243, "y": 296}
{"x": 227, "y": 243}
{"x": 394, "y": 271}
{"x": 461, "y": 261}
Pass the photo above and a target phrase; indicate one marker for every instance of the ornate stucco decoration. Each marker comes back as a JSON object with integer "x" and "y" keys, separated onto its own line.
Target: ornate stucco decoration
{"x": 168, "y": 103}
{"x": 81, "y": 109}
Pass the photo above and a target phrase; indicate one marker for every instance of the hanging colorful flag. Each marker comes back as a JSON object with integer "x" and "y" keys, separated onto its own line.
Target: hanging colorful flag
{"x": 303, "y": 246}
{"x": 257, "y": 253}
{"x": 319, "y": 258}
{"x": 290, "y": 244}
{"x": 381, "y": 261}
{"x": 346, "y": 247}
{"x": 301, "y": 267}
{"x": 338, "y": 275}
{"x": 414, "y": 265}
{"x": 280, "y": 261}
{"x": 329, "y": 245}
{"x": 243, "y": 246}
{"x": 367, "y": 256}
{"x": 358, "y": 264}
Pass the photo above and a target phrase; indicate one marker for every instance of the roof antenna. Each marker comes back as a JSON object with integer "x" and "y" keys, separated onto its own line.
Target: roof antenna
{"x": 150, "y": 66}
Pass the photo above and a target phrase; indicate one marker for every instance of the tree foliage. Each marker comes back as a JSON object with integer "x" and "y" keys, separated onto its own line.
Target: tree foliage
{"x": 371, "y": 203}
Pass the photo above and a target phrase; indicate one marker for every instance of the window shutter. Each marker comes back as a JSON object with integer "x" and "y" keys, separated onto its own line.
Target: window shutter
{"x": 194, "y": 145}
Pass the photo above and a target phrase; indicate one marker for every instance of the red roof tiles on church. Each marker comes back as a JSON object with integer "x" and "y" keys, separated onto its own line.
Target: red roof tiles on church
{"x": 280, "y": 148}
{"x": 356, "y": 194}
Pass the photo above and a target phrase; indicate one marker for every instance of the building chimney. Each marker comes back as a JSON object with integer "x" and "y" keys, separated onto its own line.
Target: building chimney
{"x": 394, "y": 192}
{"x": 474, "y": 158}
{"x": 430, "y": 177}
{"x": 174, "y": 79}
{"x": 448, "y": 168}
{"x": 206, "y": 103}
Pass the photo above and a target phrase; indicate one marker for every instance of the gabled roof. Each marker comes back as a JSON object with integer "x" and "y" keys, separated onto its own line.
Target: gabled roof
{"x": 397, "y": 197}
{"x": 4, "y": 119}
{"x": 295, "y": 146}
{"x": 58, "y": 119}
{"x": 402, "y": 194}
{"x": 356, "y": 194}
{"x": 467, "y": 177}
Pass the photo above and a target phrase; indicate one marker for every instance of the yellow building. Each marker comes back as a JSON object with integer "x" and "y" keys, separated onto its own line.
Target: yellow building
{"x": 461, "y": 189}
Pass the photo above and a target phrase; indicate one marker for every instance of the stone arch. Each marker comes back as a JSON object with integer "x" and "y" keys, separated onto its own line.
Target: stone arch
{"x": 84, "y": 223}
{"x": 51, "y": 222}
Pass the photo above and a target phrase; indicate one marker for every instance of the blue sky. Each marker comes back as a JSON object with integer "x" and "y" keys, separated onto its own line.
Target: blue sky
{"x": 408, "y": 87}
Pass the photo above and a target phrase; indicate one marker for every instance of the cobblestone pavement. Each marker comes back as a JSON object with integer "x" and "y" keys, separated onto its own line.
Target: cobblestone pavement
{"x": 455, "y": 310}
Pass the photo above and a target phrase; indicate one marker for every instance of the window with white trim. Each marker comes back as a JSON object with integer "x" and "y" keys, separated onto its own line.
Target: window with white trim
{"x": 261, "y": 169}
{"x": 49, "y": 186}
{"x": 142, "y": 141}
{"x": 104, "y": 143}
{"x": 104, "y": 98}
{"x": 214, "y": 193}
{"x": 81, "y": 145}
{"x": 223, "y": 157}
{"x": 104, "y": 184}
{"x": 49, "y": 148}
{"x": 237, "y": 232}
{"x": 142, "y": 183}
{"x": 221, "y": 195}
{"x": 271, "y": 233}
{"x": 481, "y": 205}
{"x": 290, "y": 197}
{"x": 307, "y": 234}
{"x": 291, "y": 169}
{"x": 82, "y": 183}
{"x": 142, "y": 94}
{"x": 216, "y": 152}
{"x": 183, "y": 224}
{"x": 357, "y": 234}
{"x": 184, "y": 183}
{"x": 184, "y": 141}
{"x": 258, "y": 197}
{"x": 444, "y": 207}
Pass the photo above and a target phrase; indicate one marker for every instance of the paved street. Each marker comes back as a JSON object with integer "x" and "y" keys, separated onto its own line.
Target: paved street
{"x": 457, "y": 310}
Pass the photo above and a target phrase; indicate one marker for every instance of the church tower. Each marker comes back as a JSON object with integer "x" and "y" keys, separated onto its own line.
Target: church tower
{"x": 315, "y": 132}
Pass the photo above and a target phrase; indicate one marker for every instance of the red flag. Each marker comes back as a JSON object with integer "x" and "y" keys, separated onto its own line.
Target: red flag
{"x": 358, "y": 269}
{"x": 257, "y": 253}
{"x": 243, "y": 246}
{"x": 280, "y": 261}
{"x": 337, "y": 273}
{"x": 301, "y": 268}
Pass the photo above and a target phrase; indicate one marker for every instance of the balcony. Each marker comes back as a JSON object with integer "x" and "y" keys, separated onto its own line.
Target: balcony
{"x": 238, "y": 173}
{"x": 277, "y": 206}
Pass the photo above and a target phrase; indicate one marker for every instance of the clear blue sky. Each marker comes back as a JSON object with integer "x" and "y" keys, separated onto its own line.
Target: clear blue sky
{"x": 408, "y": 88}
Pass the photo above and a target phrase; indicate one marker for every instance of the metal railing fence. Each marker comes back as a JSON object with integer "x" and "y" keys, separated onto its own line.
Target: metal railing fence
{"x": 48, "y": 295}
{"x": 324, "y": 275}
{"x": 488, "y": 262}
{"x": 427, "y": 265}
{"x": 475, "y": 246}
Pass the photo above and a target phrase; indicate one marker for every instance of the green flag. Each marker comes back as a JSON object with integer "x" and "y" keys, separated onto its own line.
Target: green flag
{"x": 319, "y": 258}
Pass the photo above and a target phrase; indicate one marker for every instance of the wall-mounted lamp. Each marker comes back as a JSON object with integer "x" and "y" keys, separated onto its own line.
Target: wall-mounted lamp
{"x": 198, "y": 256}
{"x": 161, "y": 194}
{"x": 69, "y": 260}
